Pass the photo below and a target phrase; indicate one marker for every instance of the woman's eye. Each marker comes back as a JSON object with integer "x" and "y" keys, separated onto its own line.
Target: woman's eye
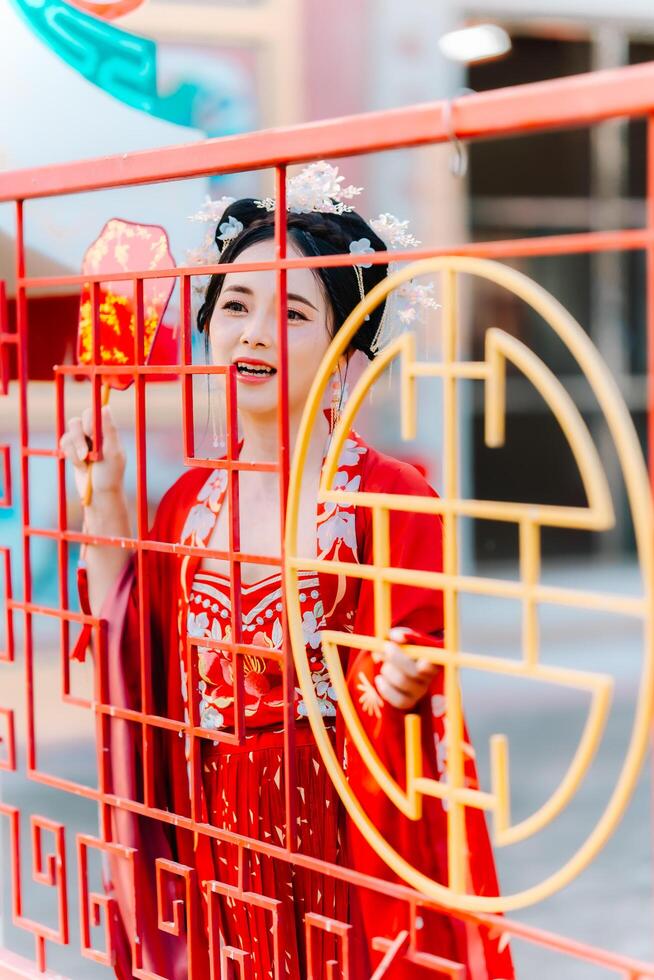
{"x": 235, "y": 306}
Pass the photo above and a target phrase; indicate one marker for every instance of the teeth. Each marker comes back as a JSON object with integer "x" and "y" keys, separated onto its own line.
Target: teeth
{"x": 249, "y": 369}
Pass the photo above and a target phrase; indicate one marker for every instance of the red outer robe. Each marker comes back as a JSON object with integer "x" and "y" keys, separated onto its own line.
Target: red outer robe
{"x": 415, "y": 542}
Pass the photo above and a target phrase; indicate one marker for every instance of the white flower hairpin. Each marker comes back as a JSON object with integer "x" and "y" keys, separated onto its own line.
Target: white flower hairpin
{"x": 208, "y": 253}
{"x": 212, "y": 210}
{"x": 406, "y": 304}
{"x": 316, "y": 188}
{"x": 393, "y": 231}
{"x": 319, "y": 188}
{"x": 229, "y": 230}
{"x": 362, "y": 247}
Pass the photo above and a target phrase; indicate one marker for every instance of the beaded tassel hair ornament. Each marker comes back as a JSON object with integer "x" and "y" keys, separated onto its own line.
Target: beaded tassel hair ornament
{"x": 318, "y": 188}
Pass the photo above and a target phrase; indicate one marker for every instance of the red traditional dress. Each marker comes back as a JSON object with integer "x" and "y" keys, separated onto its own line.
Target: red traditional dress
{"x": 242, "y": 787}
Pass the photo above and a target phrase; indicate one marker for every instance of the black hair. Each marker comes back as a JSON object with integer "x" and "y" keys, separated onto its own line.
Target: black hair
{"x": 314, "y": 233}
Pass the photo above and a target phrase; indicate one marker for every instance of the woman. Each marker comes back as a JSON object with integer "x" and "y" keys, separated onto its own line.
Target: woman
{"x": 240, "y": 788}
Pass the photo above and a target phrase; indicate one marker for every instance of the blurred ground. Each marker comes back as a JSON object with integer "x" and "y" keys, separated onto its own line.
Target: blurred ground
{"x": 609, "y": 905}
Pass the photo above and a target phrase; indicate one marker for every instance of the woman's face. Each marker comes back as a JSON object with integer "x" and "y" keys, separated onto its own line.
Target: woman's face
{"x": 243, "y": 331}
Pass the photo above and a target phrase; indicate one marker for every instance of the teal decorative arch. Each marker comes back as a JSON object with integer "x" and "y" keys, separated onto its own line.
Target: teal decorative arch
{"x": 122, "y": 64}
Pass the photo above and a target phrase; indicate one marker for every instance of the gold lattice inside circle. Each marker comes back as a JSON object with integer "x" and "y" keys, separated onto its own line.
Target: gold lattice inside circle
{"x": 529, "y": 590}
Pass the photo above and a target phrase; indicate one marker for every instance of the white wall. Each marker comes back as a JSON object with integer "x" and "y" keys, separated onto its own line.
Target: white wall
{"x": 639, "y": 12}
{"x": 407, "y": 67}
{"x": 49, "y": 114}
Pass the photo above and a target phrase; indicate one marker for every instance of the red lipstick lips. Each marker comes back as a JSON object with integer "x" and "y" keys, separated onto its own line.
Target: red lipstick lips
{"x": 254, "y": 371}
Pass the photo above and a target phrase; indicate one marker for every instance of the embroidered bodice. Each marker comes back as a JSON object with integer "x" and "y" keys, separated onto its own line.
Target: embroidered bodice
{"x": 261, "y": 608}
{"x": 324, "y": 598}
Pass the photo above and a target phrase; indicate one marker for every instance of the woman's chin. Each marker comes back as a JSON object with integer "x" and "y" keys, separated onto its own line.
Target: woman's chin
{"x": 261, "y": 401}
{"x": 257, "y": 403}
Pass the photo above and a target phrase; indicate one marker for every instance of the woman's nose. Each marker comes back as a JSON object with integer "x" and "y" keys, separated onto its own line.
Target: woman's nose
{"x": 258, "y": 332}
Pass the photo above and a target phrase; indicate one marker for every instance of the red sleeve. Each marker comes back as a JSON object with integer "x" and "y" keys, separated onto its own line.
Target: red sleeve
{"x": 124, "y": 766}
{"x": 166, "y": 526}
{"x": 415, "y": 542}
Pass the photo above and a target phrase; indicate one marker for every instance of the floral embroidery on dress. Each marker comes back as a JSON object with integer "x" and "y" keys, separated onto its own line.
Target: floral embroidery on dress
{"x": 197, "y": 624}
{"x": 198, "y": 526}
{"x": 209, "y": 612}
{"x": 213, "y": 490}
{"x": 440, "y": 744}
{"x": 339, "y": 524}
{"x": 438, "y": 705}
{"x": 210, "y": 716}
{"x": 370, "y": 699}
{"x": 311, "y": 624}
{"x": 351, "y": 453}
{"x": 202, "y": 516}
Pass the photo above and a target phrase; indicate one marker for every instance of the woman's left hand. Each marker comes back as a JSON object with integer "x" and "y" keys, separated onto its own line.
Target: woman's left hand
{"x": 402, "y": 681}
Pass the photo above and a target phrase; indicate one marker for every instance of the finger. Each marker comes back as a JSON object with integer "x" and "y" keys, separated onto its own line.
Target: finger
{"x": 109, "y": 430}
{"x": 407, "y": 635}
{"x": 399, "y": 634}
{"x": 87, "y": 422}
{"x": 393, "y": 654}
{"x": 391, "y": 695}
{"x": 76, "y": 433}
{"x": 109, "y": 439}
{"x": 396, "y": 677}
{"x": 423, "y": 669}
{"x": 67, "y": 447}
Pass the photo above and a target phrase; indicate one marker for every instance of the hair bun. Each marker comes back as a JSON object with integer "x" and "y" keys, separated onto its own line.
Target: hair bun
{"x": 356, "y": 227}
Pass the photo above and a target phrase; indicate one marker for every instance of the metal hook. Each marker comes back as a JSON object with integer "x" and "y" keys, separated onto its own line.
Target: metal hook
{"x": 459, "y": 159}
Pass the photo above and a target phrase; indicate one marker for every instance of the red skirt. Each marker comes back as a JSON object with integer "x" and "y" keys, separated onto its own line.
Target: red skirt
{"x": 244, "y": 787}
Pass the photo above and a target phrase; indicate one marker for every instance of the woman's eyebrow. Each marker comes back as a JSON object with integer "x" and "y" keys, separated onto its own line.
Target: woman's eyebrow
{"x": 246, "y": 291}
{"x": 301, "y": 299}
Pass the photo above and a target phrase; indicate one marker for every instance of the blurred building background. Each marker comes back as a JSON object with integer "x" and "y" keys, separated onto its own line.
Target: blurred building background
{"x": 281, "y": 62}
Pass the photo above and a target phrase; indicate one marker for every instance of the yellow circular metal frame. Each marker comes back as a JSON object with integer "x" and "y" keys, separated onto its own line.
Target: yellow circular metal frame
{"x": 598, "y": 515}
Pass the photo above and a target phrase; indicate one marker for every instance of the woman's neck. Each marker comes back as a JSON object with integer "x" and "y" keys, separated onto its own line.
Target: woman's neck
{"x": 261, "y": 438}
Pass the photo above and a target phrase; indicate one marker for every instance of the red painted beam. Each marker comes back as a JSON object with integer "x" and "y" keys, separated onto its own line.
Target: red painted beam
{"x": 14, "y": 967}
{"x": 576, "y": 100}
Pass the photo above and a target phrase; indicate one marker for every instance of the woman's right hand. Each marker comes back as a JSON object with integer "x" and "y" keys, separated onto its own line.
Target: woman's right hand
{"x": 107, "y": 474}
